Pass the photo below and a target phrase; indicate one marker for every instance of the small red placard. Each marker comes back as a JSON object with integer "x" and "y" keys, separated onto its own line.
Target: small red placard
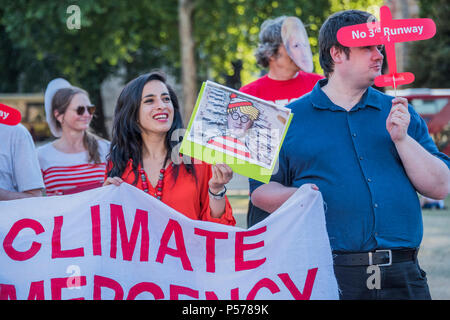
{"x": 387, "y": 32}
{"x": 9, "y": 116}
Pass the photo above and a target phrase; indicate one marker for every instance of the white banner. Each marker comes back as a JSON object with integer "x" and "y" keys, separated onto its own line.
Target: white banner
{"x": 120, "y": 243}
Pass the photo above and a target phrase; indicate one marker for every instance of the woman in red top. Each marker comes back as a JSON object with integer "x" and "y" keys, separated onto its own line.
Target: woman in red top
{"x": 144, "y": 139}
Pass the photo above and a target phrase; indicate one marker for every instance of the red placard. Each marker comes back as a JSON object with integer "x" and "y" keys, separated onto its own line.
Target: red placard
{"x": 9, "y": 116}
{"x": 394, "y": 80}
{"x": 388, "y": 32}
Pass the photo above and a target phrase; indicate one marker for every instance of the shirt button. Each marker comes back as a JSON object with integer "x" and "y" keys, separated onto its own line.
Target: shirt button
{"x": 375, "y": 205}
{"x": 354, "y": 134}
{"x": 361, "y": 158}
{"x": 369, "y": 180}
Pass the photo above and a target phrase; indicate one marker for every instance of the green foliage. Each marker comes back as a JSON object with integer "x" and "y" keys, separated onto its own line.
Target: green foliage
{"x": 429, "y": 60}
{"x": 111, "y": 32}
{"x": 112, "y": 35}
{"x": 134, "y": 37}
{"x": 236, "y": 27}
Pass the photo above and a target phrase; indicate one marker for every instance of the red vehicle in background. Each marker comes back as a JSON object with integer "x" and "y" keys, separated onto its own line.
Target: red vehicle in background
{"x": 433, "y": 105}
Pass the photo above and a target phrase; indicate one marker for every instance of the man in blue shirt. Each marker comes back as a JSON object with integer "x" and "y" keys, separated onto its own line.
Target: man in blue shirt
{"x": 369, "y": 154}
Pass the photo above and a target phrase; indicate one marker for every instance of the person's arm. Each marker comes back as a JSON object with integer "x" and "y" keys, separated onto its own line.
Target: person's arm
{"x": 429, "y": 175}
{"x": 221, "y": 175}
{"x": 25, "y": 167}
{"x": 12, "y": 195}
{"x": 269, "y": 197}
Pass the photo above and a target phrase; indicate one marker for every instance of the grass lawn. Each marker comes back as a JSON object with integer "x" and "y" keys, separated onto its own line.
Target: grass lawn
{"x": 434, "y": 254}
{"x": 239, "y": 203}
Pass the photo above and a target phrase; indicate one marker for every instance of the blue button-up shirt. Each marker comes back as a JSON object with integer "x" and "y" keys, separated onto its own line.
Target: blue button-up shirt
{"x": 371, "y": 203}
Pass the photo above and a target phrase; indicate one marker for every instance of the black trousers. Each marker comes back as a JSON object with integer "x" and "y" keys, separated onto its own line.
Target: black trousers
{"x": 399, "y": 281}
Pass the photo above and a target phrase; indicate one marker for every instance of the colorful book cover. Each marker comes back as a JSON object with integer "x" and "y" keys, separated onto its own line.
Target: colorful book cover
{"x": 245, "y": 132}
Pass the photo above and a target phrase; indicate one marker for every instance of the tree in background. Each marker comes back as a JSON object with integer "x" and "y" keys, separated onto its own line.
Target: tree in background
{"x": 225, "y": 36}
{"x": 110, "y": 33}
{"x": 429, "y": 60}
{"x": 188, "y": 63}
{"x": 128, "y": 38}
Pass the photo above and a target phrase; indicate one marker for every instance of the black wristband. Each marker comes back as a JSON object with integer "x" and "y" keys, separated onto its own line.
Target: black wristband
{"x": 219, "y": 195}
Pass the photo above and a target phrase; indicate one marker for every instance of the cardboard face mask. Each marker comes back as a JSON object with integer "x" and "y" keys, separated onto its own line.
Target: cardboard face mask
{"x": 295, "y": 39}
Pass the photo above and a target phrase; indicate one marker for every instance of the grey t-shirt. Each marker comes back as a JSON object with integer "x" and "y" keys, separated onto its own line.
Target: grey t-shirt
{"x": 19, "y": 166}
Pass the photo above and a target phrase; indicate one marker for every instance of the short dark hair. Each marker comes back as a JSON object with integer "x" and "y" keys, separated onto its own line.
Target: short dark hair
{"x": 328, "y": 35}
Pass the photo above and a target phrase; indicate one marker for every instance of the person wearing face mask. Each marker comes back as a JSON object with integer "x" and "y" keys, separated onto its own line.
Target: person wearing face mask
{"x": 20, "y": 175}
{"x": 76, "y": 160}
{"x": 285, "y": 51}
{"x": 143, "y": 153}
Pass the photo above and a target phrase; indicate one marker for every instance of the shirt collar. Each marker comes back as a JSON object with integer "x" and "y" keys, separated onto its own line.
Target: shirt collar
{"x": 320, "y": 100}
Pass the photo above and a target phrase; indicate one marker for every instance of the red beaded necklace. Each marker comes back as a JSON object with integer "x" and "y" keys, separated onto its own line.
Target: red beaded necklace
{"x": 159, "y": 186}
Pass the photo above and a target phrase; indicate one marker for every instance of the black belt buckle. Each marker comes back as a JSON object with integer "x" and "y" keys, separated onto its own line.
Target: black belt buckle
{"x": 381, "y": 264}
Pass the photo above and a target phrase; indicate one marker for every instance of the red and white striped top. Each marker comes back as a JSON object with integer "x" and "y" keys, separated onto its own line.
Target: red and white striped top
{"x": 231, "y": 145}
{"x": 61, "y": 180}
{"x": 66, "y": 173}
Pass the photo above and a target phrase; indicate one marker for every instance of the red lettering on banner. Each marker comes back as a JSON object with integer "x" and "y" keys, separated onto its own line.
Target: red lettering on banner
{"x": 173, "y": 227}
{"x": 57, "y": 284}
{"x": 154, "y": 289}
{"x": 105, "y": 282}
{"x": 7, "y": 292}
{"x": 263, "y": 283}
{"x": 36, "y": 291}
{"x": 12, "y": 234}
{"x": 307, "y": 289}
{"x": 211, "y": 295}
{"x": 140, "y": 223}
{"x": 211, "y": 237}
{"x": 176, "y": 291}
{"x": 56, "y": 243}
{"x": 96, "y": 231}
{"x": 240, "y": 247}
{"x": 234, "y": 294}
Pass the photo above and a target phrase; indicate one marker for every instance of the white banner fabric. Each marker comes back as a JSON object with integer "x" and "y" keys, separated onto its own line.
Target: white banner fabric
{"x": 120, "y": 243}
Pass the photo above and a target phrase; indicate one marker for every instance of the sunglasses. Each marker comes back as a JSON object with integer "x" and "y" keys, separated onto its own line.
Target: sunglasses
{"x": 81, "y": 109}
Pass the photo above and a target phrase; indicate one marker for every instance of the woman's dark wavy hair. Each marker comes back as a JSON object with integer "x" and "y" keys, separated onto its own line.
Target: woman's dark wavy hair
{"x": 126, "y": 142}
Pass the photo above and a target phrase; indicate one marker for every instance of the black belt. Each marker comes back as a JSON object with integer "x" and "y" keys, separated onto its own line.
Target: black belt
{"x": 382, "y": 257}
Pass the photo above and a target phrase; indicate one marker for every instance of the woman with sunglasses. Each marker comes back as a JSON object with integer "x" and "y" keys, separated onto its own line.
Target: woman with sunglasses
{"x": 76, "y": 160}
{"x": 145, "y": 138}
